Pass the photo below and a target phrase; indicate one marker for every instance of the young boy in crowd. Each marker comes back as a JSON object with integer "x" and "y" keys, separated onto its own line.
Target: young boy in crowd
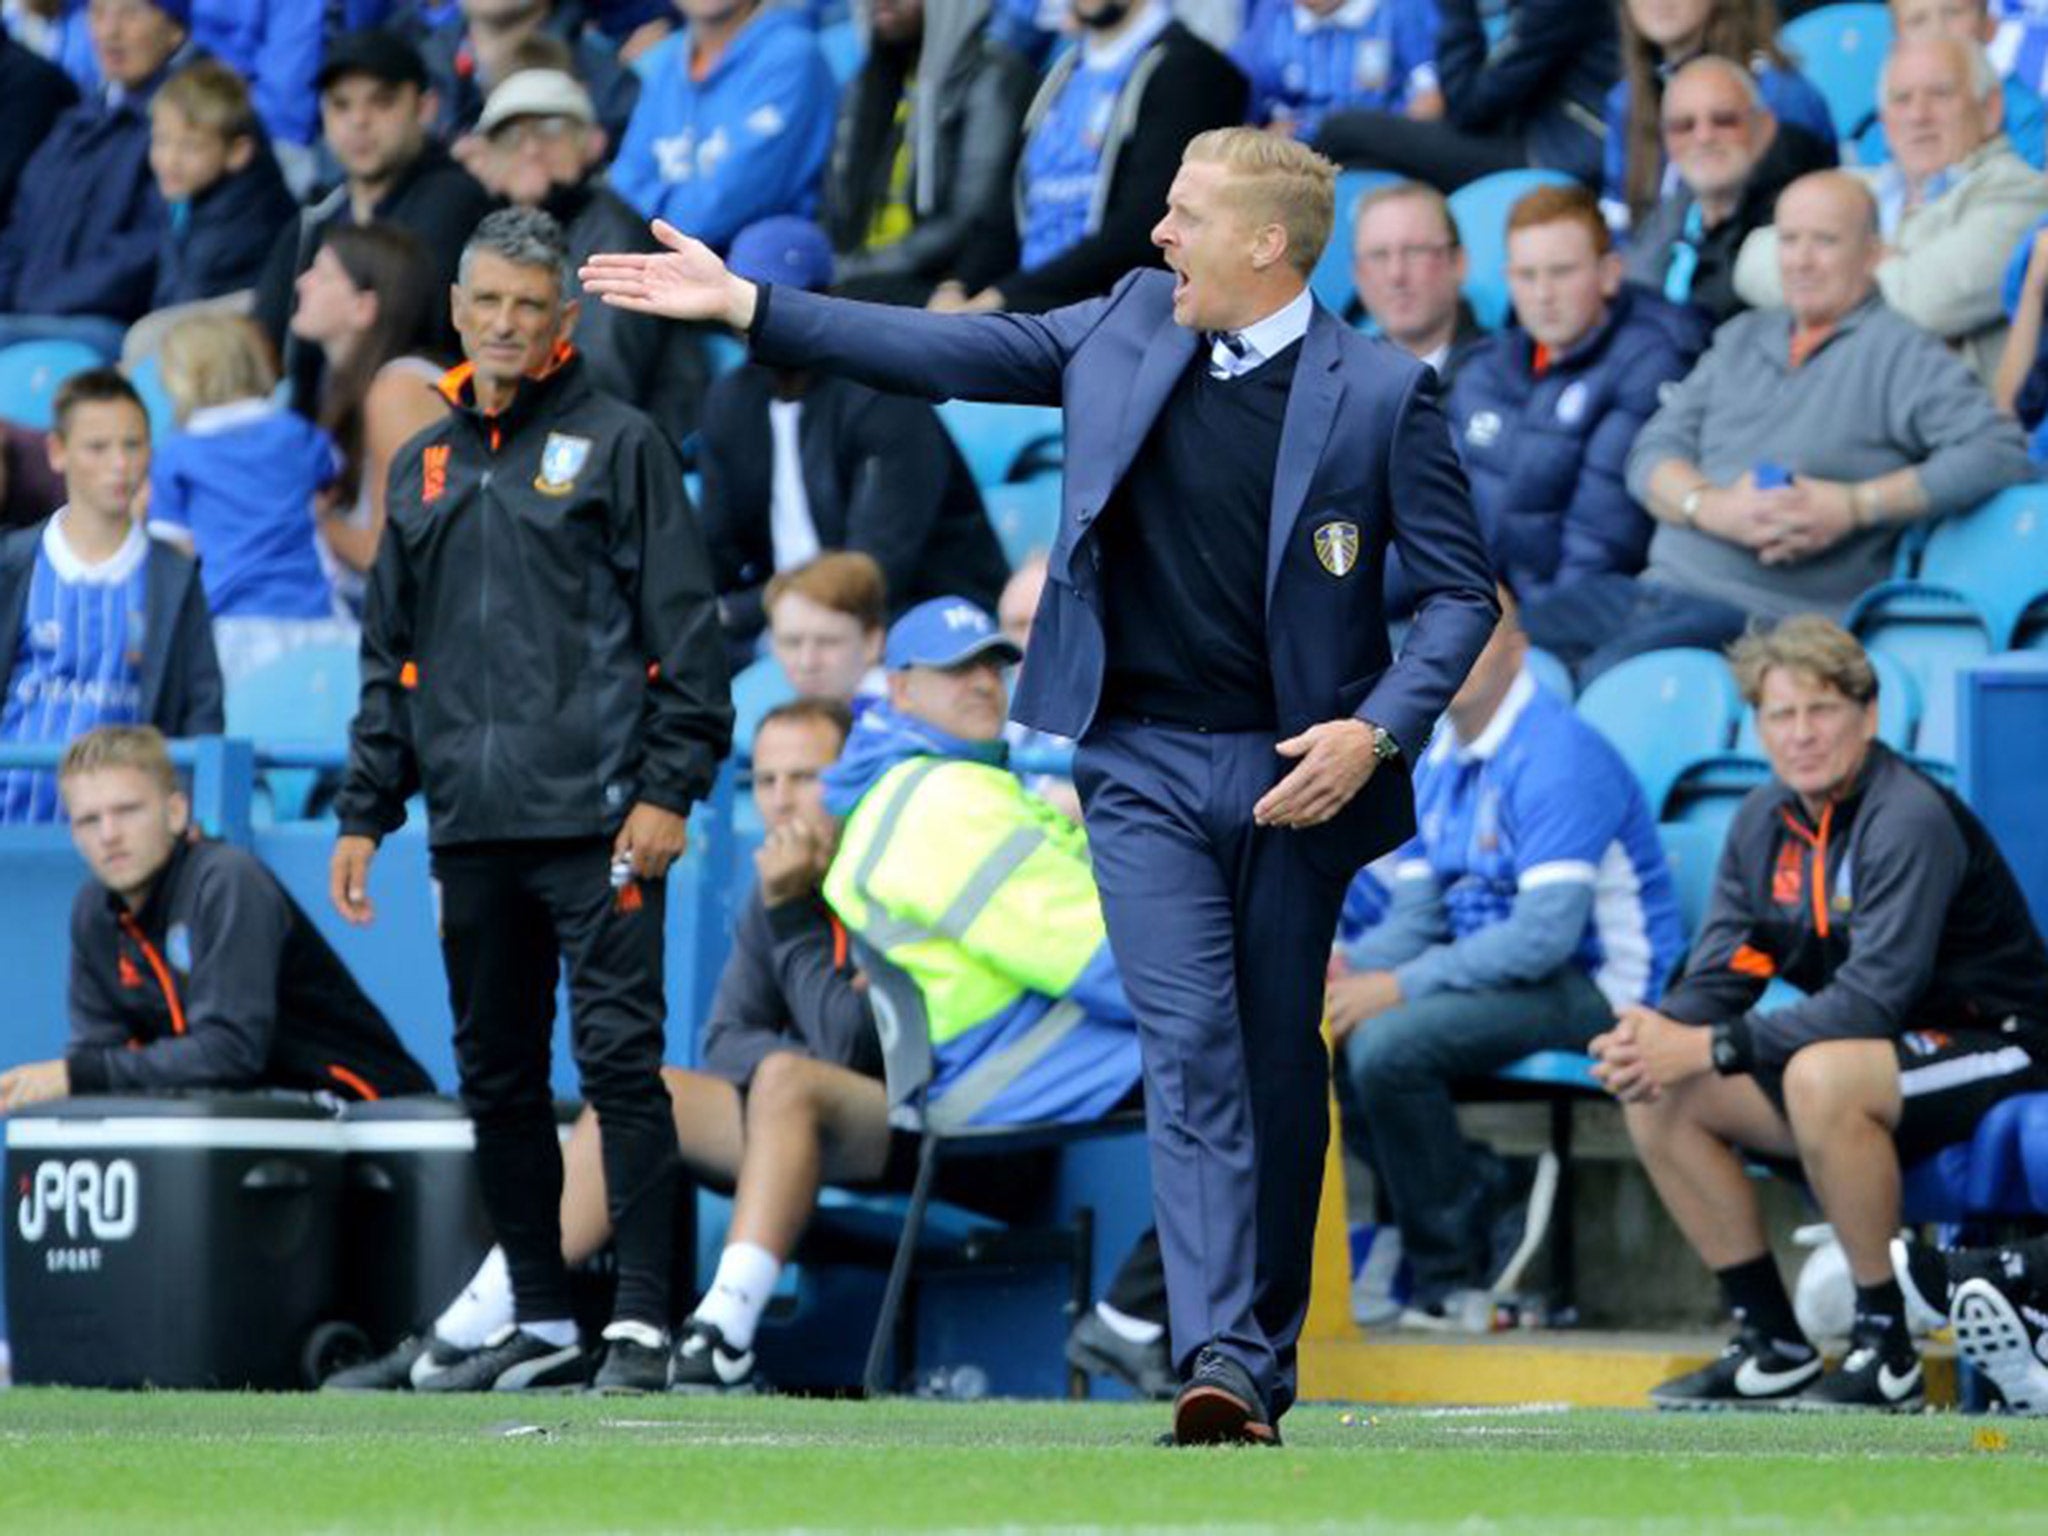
{"x": 223, "y": 193}
{"x": 99, "y": 623}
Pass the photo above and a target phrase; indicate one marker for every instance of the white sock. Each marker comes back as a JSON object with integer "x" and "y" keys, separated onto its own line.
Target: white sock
{"x": 739, "y": 1292}
{"x": 1124, "y": 1326}
{"x": 558, "y": 1331}
{"x": 483, "y": 1308}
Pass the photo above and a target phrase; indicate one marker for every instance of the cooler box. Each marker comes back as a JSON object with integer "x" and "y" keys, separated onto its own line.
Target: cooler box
{"x": 171, "y": 1242}
{"x": 412, "y": 1215}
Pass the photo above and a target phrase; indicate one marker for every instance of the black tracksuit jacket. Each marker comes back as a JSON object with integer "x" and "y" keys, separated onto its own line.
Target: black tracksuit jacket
{"x": 541, "y": 647}
{"x": 1894, "y": 911}
{"x": 220, "y": 981}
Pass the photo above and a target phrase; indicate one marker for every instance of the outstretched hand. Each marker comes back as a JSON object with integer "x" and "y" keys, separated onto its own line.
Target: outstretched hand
{"x": 683, "y": 281}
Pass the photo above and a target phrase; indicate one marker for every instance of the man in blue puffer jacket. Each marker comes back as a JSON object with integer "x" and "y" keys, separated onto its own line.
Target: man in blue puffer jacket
{"x": 1543, "y": 414}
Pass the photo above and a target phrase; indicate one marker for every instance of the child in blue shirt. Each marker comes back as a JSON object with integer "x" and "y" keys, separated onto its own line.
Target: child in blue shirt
{"x": 237, "y": 484}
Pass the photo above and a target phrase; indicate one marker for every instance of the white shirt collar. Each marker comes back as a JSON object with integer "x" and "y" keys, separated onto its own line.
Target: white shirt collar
{"x": 72, "y": 568}
{"x": 1118, "y": 51}
{"x": 1278, "y": 331}
{"x": 209, "y": 419}
{"x": 1435, "y": 358}
{"x": 1488, "y": 741}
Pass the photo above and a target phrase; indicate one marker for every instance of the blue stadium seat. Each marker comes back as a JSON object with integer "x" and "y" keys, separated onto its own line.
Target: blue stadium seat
{"x": 1934, "y": 639}
{"x": 1664, "y": 711}
{"x": 148, "y": 378}
{"x": 1026, "y": 515}
{"x": 305, "y": 698}
{"x": 1840, "y": 49}
{"x": 723, "y": 352}
{"x": 997, "y": 440}
{"x": 1996, "y": 556}
{"x": 844, "y": 48}
{"x": 2002, "y": 1170}
{"x": 1693, "y": 852}
{"x": 1331, "y": 279}
{"x": 1481, "y": 209}
{"x": 1898, "y": 709}
{"x": 1551, "y": 673}
{"x": 757, "y": 689}
{"x": 1710, "y": 791}
{"x": 30, "y": 372}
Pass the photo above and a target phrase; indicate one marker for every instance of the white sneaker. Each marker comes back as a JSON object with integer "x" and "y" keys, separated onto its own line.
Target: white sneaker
{"x": 2003, "y": 1342}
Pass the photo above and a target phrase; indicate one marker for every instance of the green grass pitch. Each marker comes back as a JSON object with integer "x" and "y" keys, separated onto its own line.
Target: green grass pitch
{"x": 250, "y": 1466}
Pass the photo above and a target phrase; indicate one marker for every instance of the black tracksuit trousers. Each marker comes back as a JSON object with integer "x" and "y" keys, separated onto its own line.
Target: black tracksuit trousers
{"x": 512, "y": 914}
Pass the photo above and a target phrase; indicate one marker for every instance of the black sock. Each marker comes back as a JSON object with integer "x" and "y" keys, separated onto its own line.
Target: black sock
{"x": 1881, "y": 1309}
{"x": 1755, "y": 1293}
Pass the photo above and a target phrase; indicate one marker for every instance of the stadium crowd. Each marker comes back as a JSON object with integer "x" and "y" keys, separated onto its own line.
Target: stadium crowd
{"x": 1752, "y": 354}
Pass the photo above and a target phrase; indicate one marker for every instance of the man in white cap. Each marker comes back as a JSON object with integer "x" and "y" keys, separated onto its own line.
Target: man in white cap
{"x": 542, "y": 147}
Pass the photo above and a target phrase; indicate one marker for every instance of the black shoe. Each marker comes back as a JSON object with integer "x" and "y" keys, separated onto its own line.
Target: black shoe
{"x": 1923, "y": 1275}
{"x": 1147, "y": 1369}
{"x": 1220, "y": 1405}
{"x": 2006, "y": 1339}
{"x": 513, "y": 1360}
{"x": 1880, "y": 1374}
{"x": 1751, "y": 1373}
{"x": 631, "y": 1365}
{"x": 704, "y": 1362}
{"x": 389, "y": 1372}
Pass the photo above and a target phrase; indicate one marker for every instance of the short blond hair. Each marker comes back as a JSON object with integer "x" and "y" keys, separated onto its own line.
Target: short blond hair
{"x": 140, "y": 747}
{"x": 1807, "y": 643}
{"x": 1278, "y": 181}
{"x": 844, "y": 580}
{"x": 211, "y": 359}
{"x": 209, "y": 95}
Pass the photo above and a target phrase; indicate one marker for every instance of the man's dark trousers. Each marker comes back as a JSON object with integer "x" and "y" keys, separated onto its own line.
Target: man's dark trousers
{"x": 511, "y": 914}
{"x": 1222, "y": 933}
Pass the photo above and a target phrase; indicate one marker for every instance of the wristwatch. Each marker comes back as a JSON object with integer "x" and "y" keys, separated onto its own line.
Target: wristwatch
{"x": 1727, "y": 1049}
{"x": 1384, "y": 748}
{"x": 1689, "y": 505}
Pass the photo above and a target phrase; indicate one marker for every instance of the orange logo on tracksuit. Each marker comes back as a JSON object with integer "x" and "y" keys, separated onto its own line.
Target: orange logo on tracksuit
{"x": 433, "y": 473}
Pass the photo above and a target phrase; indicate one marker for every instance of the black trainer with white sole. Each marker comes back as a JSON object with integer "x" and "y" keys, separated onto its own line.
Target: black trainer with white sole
{"x": 1752, "y": 1372}
{"x": 635, "y": 1361}
{"x": 513, "y": 1360}
{"x": 704, "y": 1362}
{"x": 2006, "y": 1340}
{"x": 1880, "y": 1374}
{"x": 389, "y": 1372}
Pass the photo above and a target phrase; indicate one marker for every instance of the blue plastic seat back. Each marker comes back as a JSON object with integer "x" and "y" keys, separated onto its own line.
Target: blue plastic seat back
{"x": 1664, "y": 711}
{"x": 1551, "y": 673}
{"x": 306, "y": 697}
{"x": 1996, "y": 556}
{"x": 30, "y": 374}
{"x": 1026, "y": 515}
{"x": 2033, "y": 1114}
{"x": 1840, "y": 48}
{"x": 1332, "y": 279}
{"x": 1935, "y": 649}
{"x": 995, "y": 439}
{"x": 1996, "y": 1184}
{"x": 1898, "y": 709}
{"x": 1481, "y": 210}
{"x": 1693, "y": 852}
{"x": 756, "y": 689}
{"x": 148, "y": 378}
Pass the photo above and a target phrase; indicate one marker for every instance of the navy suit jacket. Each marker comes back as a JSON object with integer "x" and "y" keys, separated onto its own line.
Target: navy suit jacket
{"x": 1363, "y": 444}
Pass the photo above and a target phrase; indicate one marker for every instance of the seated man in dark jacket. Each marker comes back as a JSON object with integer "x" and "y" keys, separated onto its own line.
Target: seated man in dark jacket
{"x": 1874, "y": 891}
{"x": 795, "y": 463}
{"x": 1103, "y": 141}
{"x": 191, "y": 967}
{"x": 1722, "y": 140}
{"x": 927, "y": 146}
{"x": 1530, "y": 92}
{"x": 78, "y": 253}
{"x": 1544, "y": 413}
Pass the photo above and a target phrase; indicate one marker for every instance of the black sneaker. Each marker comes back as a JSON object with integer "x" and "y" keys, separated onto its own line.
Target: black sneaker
{"x": 440, "y": 1355}
{"x": 513, "y": 1360}
{"x": 1147, "y": 1369}
{"x": 704, "y": 1362}
{"x": 632, "y": 1364}
{"x": 2005, "y": 1339}
{"x": 389, "y": 1372}
{"x": 1880, "y": 1374}
{"x": 1751, "y": 1373}
{"x": 1220, "y": 1405}
{"x": 1922, "y": 1271}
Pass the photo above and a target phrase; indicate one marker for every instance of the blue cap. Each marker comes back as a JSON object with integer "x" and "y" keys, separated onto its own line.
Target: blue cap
{"x": 179, "y": 11}
{"x": 946, "y": 632}
{"x": 784, "y": 249}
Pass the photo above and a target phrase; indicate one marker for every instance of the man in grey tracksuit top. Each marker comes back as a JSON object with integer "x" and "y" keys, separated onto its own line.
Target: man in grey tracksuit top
{"x": 1782, "y": 469}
